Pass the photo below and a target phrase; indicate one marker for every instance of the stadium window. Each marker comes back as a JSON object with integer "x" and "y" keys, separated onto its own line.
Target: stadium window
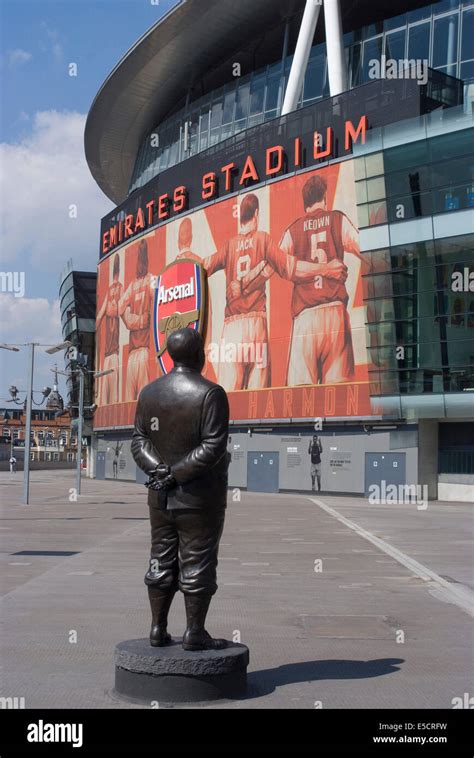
{"x": 362, "y": 216}
{"x": 314, "y": 79}
{"x": 242, "y": 102}
{"x": 467, "y": 35}
{"x": 354, "y": 64}
{"x": 372, "y": 51}
{"x": 257, "y": 93}
{"x": 419, "y": 42}
{"x": 272, "y": 91}
{"x": 374, "y": 164}
{"x": 395, "y": 45}
{"x": 376, "y": 188}
{"x": 228, "y": 105}
{"x": 445, "y": 43}
{"x": 395, "y": 22}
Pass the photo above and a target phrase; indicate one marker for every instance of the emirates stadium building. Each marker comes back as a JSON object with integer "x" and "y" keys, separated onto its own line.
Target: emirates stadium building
{"x": 295, "y": 179}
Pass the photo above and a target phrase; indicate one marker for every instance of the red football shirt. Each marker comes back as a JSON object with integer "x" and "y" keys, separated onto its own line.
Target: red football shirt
{"x": 239, "y": 256}
{"x": 320, "y": 236}
{"x": 112, "y": 322}
{"x": 139, "y": 297}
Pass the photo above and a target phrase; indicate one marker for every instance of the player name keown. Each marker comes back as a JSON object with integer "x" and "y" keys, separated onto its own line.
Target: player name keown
{"x": 178, "y": 292}
{"x": 315, "y": 223}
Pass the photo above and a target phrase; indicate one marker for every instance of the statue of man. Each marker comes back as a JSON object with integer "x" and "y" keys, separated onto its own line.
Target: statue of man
{"x": 180, "y": 441}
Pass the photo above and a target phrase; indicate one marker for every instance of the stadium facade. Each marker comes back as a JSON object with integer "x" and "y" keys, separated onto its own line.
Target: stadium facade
{"x": 296, "y": 180}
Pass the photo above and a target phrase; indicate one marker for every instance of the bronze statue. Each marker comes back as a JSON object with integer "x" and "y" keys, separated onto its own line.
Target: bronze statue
{"x": 180, "y": 441}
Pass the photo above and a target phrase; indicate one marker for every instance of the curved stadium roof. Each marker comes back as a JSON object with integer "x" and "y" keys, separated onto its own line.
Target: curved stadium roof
{"x": 155, "y": 74}
{"x": 194, "y": 37}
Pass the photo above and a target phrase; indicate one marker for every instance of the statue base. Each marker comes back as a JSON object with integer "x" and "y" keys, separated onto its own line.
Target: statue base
{"x": 172, "y": 675}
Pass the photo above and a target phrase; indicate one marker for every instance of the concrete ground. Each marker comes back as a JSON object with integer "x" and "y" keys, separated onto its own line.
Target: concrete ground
{"x": 343, "y": 604}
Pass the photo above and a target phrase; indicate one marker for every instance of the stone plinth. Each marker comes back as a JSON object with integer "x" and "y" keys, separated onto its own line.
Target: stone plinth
{"x": 171, "y": 674}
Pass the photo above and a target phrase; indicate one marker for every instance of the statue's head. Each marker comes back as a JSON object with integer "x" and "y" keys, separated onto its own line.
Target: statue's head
{"x": 186, "y": 348}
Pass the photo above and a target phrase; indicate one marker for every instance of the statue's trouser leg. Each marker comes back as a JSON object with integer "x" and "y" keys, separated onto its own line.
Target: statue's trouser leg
{"x": 199, "y": 535}
{"x": 162, "y": 575}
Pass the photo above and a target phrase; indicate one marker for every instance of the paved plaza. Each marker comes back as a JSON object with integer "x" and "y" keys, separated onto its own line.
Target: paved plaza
{"x": 343, "y": 604}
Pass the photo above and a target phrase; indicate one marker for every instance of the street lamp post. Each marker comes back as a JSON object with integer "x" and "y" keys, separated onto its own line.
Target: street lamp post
{"x": 82, "y": 371}
{"x": 29, "y": 403}
{"x": 80, "y": 422}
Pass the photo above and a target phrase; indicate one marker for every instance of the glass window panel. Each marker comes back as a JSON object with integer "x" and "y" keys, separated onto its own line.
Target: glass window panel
{"x": 361, "y": 192}
{"x": 445, "y": 37}
{"x": 395, "y": 45}
{"x": 314, "y": 79}
{"x": 377, "y": 213}
{"x": 409, "y": 180}
{"x": 457, "y": 171}
{"x": 214, "y": 137}
{"x": 467, "y": 39}
{"x": 372, "y": 29}
{"x": 451, "y": 145}
{"x": 273, "y": 87}
{"x": 242, "y": 102}
{"x": 354, "y": 64}
{"x": 467, "y": 71}
{"x": 359, "y": 168}
{"x": 419, "y": 42}
{"x": 270, "y": 114}
{"x": 376, "y": 188}
{"x": 362, "y": 216}
{"x": 228, "y": 110}
{"x": 239, "y": 126}
{"x": 254, "y": 120}
{"x": 372, "y": 51}
{"x": 378, "y": 260}
{"x": 409, "y": 206}
{"x": 441, "y": 6}
{"x": 419, "y": 13}
{"x": 226, "y": 131}
{"x": 216, "y": 113}
{"x": 409, "y": 155}
{"x": 395, "y": 22}
{"x": 374, "y": 164}
{"x": 257, "y": 94}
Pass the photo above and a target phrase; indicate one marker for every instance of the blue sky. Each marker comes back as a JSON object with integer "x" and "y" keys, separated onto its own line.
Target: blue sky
{"x": 44, "y": 172}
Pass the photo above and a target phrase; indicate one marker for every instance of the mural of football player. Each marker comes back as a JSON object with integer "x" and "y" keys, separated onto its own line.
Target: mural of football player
{"x": 135, "y": 309}
{"x": 321, "y": 341}
{"x": 245, "y": 320}
{"x": 109, "y": 384}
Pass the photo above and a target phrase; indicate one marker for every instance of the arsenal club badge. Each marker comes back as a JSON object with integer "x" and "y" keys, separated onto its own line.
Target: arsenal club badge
{"x": 179, "y": 302}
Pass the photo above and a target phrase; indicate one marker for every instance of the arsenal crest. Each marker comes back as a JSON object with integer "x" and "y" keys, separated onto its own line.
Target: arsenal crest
{"x": 179, "y": 302}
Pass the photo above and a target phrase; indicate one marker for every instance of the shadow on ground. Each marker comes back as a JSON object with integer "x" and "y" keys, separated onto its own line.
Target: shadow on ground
{"x": 267, "y": 680}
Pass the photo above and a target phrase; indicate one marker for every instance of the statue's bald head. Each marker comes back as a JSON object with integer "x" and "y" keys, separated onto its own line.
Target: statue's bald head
{"x": 186, "y": 348}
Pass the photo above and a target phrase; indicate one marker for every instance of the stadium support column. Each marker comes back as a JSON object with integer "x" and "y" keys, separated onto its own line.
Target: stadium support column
{"x": 301, "y": 56}
{"x": 335, "y": 47}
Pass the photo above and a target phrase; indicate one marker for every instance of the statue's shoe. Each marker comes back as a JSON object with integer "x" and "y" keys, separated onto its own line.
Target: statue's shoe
{"x": 159, "y": 637}
{"x": 202, "y": 641}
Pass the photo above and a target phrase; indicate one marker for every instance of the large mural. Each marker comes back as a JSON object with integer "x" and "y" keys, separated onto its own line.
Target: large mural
{"x": 285, "y": 318}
